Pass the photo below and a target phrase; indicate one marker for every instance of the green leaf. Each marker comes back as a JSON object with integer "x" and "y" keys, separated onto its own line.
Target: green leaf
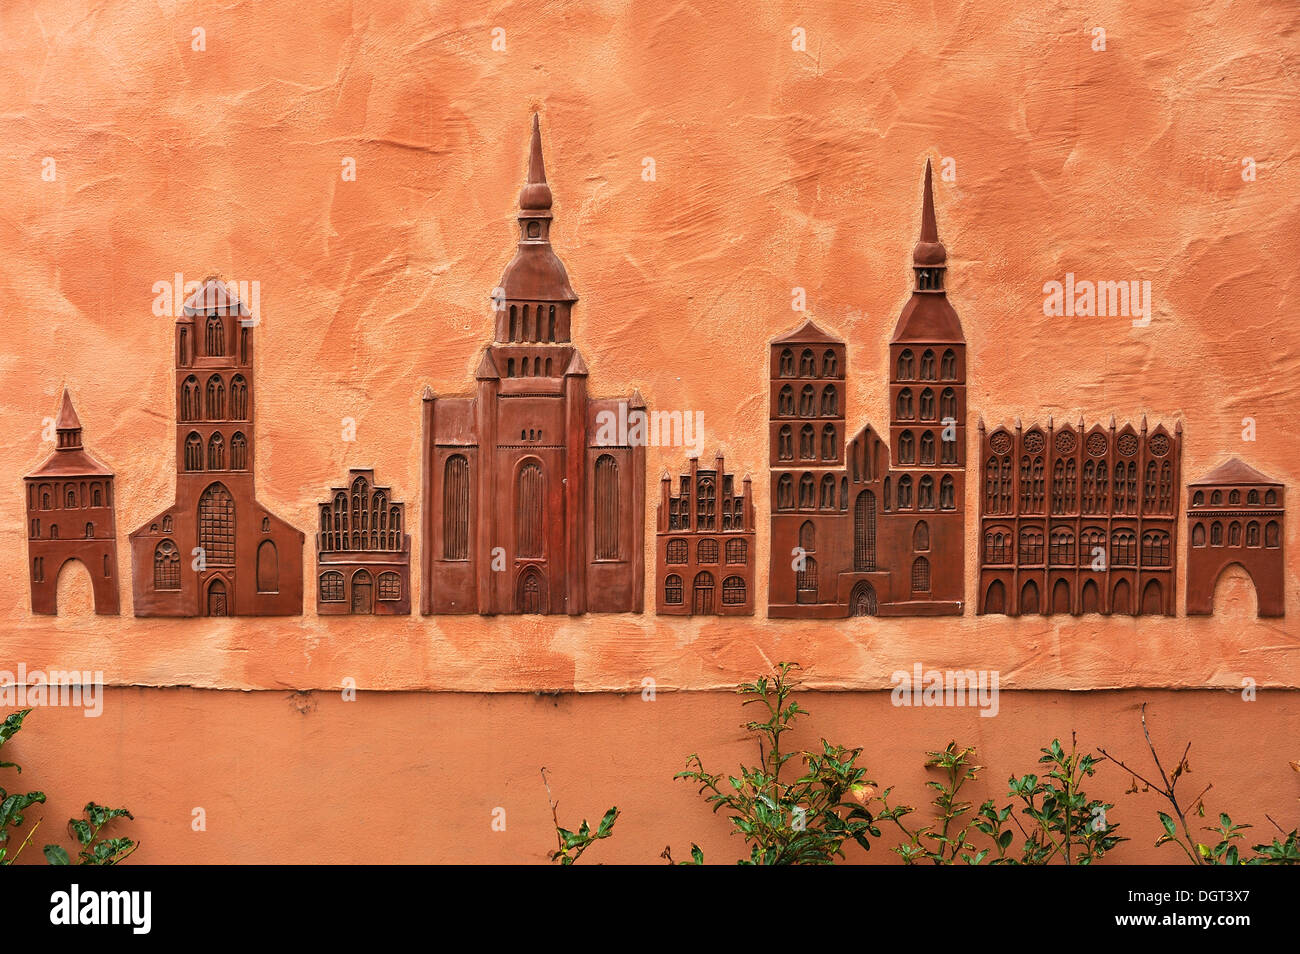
{"x": 1168, "y": 822}
{"x": 55, "y": 855}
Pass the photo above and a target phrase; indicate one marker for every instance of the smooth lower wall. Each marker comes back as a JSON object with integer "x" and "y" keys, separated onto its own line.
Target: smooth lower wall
{"x": 416, "y": 777}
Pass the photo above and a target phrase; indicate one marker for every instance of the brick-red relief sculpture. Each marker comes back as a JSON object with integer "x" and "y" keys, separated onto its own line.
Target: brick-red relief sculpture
{"x": 216, "y": 551}
{"x": 1079, "y": 520}
{"x": 1236, "y": 515}
{"x": 531, "y": 502}
{"x": 704, "y": 544}
{"x": 363, "y": 552}
{"x": 70, "y": 517}
{"x": 879, "y": 530}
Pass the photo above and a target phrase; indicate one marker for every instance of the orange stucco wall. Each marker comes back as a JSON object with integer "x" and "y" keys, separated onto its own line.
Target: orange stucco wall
{"x": 415, "y": 777}
{"x": 775, "y": 169}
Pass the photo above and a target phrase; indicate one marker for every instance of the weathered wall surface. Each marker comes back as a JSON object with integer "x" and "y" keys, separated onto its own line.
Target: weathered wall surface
{"x": 774, "y": 168}
{"x": 415, "y": 777}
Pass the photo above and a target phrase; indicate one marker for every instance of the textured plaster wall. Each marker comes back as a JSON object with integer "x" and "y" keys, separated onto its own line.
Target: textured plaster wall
{"x": 774, "y": 169}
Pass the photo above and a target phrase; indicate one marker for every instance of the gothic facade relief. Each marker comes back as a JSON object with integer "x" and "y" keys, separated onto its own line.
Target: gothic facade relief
{"x": 1236, "y": 516}
{"x": 71, "y": 518}
{"x": 1079, "y": 519}
{"x": 363, "y": 552}
{"x": 874, "y": 526}
{"x": 704, "y": 544}
{"x": 527, "y": 506}
{"x": 216, "y": 551}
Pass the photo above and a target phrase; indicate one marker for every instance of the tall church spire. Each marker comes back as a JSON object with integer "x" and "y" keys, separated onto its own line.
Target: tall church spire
{"x": 534, "y": 300}
{"x": 929, "y": 258}
{"x": 928, "y": 316}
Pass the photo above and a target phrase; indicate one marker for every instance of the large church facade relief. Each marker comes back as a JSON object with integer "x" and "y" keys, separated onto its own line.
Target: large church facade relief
{"x": 527, "y": 504}
{"x": 873, "y": 526}
{"x": 216, "y": 550}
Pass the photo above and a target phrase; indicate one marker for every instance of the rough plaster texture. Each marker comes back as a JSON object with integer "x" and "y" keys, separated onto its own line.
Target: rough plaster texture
{"x": 774, "y": 169}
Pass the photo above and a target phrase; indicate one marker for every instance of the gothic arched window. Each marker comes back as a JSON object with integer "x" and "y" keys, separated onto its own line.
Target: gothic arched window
{"x": 830, "y": 367}
{"x": 214, "y": 337}
{"x": 787, "y": 363}
{"x": 217, "y": 526}
{"x": 905, "y": 404}
{"x": 926, "y": 405}
{"x": 807, "y": 368}
{"x": 830, "y": 401}
{"x": 906, "y": 365}
{"x": 927, "y": 365}
{"x": 785, "y": 443}
{"x": 785, "y": 402}
{"x": 948, "y": 366}
{"x": 828, "y": 442}
{"x": 166, "y": 566}
{"x": 607, "y": 508}
{"x": 216, "y": 399}
{"x": 216, "y": 452}
{"x": 238, "y": 398}
{"x": 455, "y": 508}
{"x": 530, "y": 511}
{"x": 238, "y": 451}
{"x": 808, "y": 402}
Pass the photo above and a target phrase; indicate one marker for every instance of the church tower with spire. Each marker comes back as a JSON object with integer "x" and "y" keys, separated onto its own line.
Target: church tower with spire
{"x": 530, "y": 503}
{"x": 874, "y": 526}
{"x": 927, "y": 428}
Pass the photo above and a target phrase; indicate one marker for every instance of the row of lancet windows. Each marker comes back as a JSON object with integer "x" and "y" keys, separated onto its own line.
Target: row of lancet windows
{"x": 69, "y": 495}
{"x": 906, "y": 368}
{"x": 808, "y": 364}
{"x": 530, "y": 509}
{"x": 809, "y": 405}
{"x": 1234, "y": 498}
{"x": 706, "y": 551}
{"x": 706, "y": 515}
{"x": 814, "y": 496}
{"x": 362, "y": 519}
{"x": 529, "y": 367}
{"x": 1001, "y": 548}
{"x": 808, "y": 449}
{"x": 537, "y": 324}
{"x": 1095, "y": 494}
{"x": 54, "y": 530}
{"x": 907, "y": 452}
{"x": 1216, "y": 537}
{"x": 212, "y": 402}
{"x": 908, "y": 410}
{"x": 214, "y": 341}
{"x": 216, "y": 457}
{"x": 733, "y": 590}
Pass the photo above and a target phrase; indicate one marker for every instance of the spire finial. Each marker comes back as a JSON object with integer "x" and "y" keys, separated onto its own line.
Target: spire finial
{"x": 536, "y": 194}
{"x": 929, "y": 229}
{"x": 929, "y": 252}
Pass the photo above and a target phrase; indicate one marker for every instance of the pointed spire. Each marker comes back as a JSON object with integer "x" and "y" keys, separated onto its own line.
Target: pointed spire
{"x": 929, "y": 251}
{"x": 68, "y": 426}
{"x": 68, "y": 420}
{"x": 536, "y": 194}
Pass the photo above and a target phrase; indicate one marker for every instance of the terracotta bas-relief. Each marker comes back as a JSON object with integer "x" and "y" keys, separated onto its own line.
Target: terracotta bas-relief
{"x": 216, "y": 551}
{"x": 531, "y": 503}
{"x": 1236, "y": 516}
{"x": 363, "y": 552}
{"x": 877, "y": 528}
{"x": 71, "y": 518}
{"x": 704, "y": 544}
{"x": 1079, "y": 519}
